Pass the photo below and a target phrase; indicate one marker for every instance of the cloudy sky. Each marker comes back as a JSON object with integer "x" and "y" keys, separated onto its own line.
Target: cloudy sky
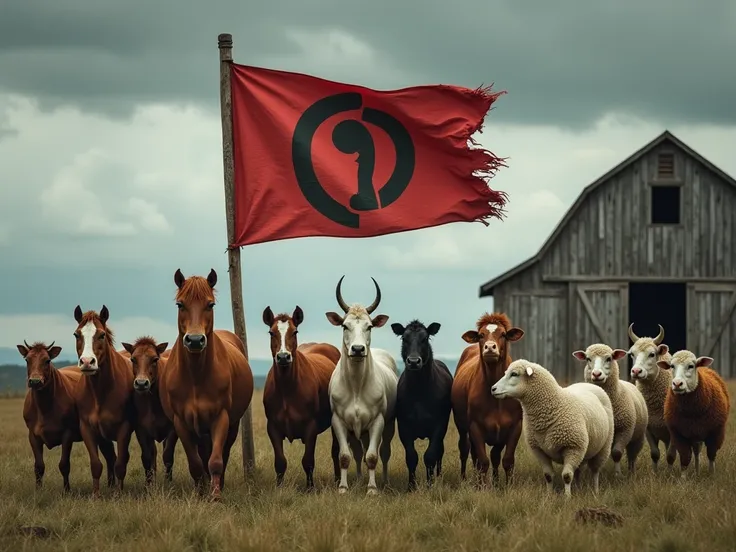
{"x": 110, "y": 147}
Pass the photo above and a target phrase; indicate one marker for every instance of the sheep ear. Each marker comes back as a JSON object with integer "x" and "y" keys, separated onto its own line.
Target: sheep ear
{"x": 580, "y": 355}
{"x": 618, "y": 354}
{"x": 529, "y": 370}
{"x": 663, "y": 364}
{"x": 703, "y": 361}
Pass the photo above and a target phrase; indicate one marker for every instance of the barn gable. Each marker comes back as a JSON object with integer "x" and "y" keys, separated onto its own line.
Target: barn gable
{"x": 651, "y": 241}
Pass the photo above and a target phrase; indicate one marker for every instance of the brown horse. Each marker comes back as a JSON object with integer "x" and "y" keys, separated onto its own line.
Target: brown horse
{"x": 149, "y": 362}
{"x": 208, "y": 383}
{"x": 105, "y": 394}
{"x": 480, "y": 418}
{"x": 49, "y": 410}
{"x": 295, "y": 397}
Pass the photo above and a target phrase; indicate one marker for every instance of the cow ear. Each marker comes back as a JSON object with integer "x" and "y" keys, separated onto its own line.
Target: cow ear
{"x": 54, "y": 352}
{"x": 703, "y": 361}
{"x": 514, "y": 334}
{"x": 433, "y": 328}
{"x": 471, "y": 336}
{"x": 379, "y": 320}
{"x": 161, "y": 347}
{"x": 22, "y": 350}
{"x": 397, "y": 328}
{"x": 662, "y": 349}
{"x": 580, "y": 355}
{"x": 297, "y": 316}
{"x": 128, "y": 347}
{"x": 334, "y": 318}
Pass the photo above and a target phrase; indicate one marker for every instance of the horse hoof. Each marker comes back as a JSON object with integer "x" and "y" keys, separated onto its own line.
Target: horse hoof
{"x": 342, "y": 490}
{"x": 372, "y": 492}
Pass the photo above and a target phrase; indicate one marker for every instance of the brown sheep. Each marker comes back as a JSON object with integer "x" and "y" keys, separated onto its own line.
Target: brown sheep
{"x": 696, "y": 408}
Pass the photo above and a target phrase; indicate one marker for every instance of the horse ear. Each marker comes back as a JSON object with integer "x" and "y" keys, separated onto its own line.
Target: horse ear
{"x": 22, "y": 350}
{"x": 268, "y": 316}
{"x": 212, "y": 278}
{"x": 397, "y": 328}
{"x": 128, "y": 347}
{"x": 78, "y": 314}
{"x": 433, "y": 328}
{"x": 297, "y": 316}
{"x": 179, "y": 278}
{"x": 161, "y": 347}
{"x": 54, "y": 352}
{"x": 104, "y": 314}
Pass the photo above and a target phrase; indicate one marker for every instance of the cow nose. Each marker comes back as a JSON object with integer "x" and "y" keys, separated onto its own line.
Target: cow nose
{"x": 358, "y": 349}
{"x": 34, "y": 382}
{"x": 195, "y": 341}
{"x": 142, "y": 384}
{"x": 283, "y": 357}
{"x": 413, "y": 361}
{"x": 491, "y": 347}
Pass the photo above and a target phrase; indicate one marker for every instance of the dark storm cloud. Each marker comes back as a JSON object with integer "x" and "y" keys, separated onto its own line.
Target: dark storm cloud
{"x": 564, "y": 62}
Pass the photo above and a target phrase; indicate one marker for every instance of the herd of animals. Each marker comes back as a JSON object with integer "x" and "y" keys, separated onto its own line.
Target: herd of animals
{"x": 197, "y": 391}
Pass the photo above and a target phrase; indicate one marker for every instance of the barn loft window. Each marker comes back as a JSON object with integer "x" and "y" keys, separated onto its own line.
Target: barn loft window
{"x": 666, "y": 165}
{"x": 665, "y": 204}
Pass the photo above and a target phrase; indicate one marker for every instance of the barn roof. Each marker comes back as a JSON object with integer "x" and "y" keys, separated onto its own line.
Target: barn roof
{"x": 486, "y": 290}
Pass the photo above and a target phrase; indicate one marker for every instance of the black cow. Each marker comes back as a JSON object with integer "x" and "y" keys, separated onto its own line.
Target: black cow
{"x": 422, "y": 399}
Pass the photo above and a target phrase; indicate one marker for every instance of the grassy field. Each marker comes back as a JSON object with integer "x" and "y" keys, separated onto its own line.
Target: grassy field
{"x": 659, "y": 512}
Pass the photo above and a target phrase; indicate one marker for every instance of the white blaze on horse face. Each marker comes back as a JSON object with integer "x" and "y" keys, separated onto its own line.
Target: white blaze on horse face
{"x": 88, "y": 337}
{"x": 283, "y": 327}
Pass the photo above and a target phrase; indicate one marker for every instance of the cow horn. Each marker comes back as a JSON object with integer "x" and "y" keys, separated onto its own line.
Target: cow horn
{"x": 338, "y": 295}
{"x": 632, "y": 335}
{"x": 52, "y": 344}
{"x": 26, "y": 344}
{"x": 375, "y": 303}
{"x": 660, "y": 335}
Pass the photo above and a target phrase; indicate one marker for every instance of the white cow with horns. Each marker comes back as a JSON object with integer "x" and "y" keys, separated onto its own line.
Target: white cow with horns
{"x": 362, "y": 391}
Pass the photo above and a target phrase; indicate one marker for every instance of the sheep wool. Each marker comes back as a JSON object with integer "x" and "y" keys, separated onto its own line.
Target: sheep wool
{"x": 653, "y": 383}
{"x": 567, "y": 425}
{"x": 696, "y": 408}
{"x": 630, "y": 416}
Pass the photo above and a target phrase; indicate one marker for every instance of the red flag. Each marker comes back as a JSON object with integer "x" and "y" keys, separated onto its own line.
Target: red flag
{"x": 320, "y": 158}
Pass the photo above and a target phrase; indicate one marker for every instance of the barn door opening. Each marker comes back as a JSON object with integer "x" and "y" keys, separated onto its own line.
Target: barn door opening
{"x": 652, "y": 303}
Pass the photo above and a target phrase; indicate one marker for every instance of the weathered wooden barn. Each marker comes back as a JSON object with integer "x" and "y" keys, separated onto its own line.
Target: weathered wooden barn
{"x": 652, "y": 241}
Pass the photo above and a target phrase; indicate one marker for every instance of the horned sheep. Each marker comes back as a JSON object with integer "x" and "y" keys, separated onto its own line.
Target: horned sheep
{"x": 653, "y": 384}
{"x": 630, "y": 416}
{"x": 567, "y": 425}
{"x": 696, "y": 408}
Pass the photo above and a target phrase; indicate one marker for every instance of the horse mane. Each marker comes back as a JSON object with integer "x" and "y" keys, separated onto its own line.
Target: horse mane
{"x": 143, "y": 341}
{"x": 497, "y": 318}
{"x": 281, "y": 317}
{"x": 195, "y": 288}
{"x": 92, "y": 316}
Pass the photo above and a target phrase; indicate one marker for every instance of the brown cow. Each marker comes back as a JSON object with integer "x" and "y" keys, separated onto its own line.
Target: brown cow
{"x": 149, "y": 362}
{"x": 295, "y": 397}
{"x": 480, "y": 418}
{"x": 208, "y": 383}
{"x": 105, "y": 394}
{"x": 49, "y": 409}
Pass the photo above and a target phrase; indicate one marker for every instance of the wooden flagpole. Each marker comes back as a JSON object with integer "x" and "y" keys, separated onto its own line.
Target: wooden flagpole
{"x": 225, "y": 45}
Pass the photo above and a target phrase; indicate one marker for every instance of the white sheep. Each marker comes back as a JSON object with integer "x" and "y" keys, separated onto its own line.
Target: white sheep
{"x": 653, "y": 384}
{"x": 630, "y": 416}
{"x": 566, "y": 425}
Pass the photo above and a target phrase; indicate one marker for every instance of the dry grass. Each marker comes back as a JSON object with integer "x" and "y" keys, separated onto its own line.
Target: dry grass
{"x": 659, "y": 512}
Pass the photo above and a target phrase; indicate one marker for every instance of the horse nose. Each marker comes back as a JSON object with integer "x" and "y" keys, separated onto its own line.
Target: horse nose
{"x": 413, "y": 360}
{"x": 87, "y": 361}
{"x": 142, "y": 384}
{"x": 493, "y": 389}
{"x": 34, "y": 382}
{"x": 195, "y": 341}
{"x": 358, "y": 349}
{"x": 283, "y": 357}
